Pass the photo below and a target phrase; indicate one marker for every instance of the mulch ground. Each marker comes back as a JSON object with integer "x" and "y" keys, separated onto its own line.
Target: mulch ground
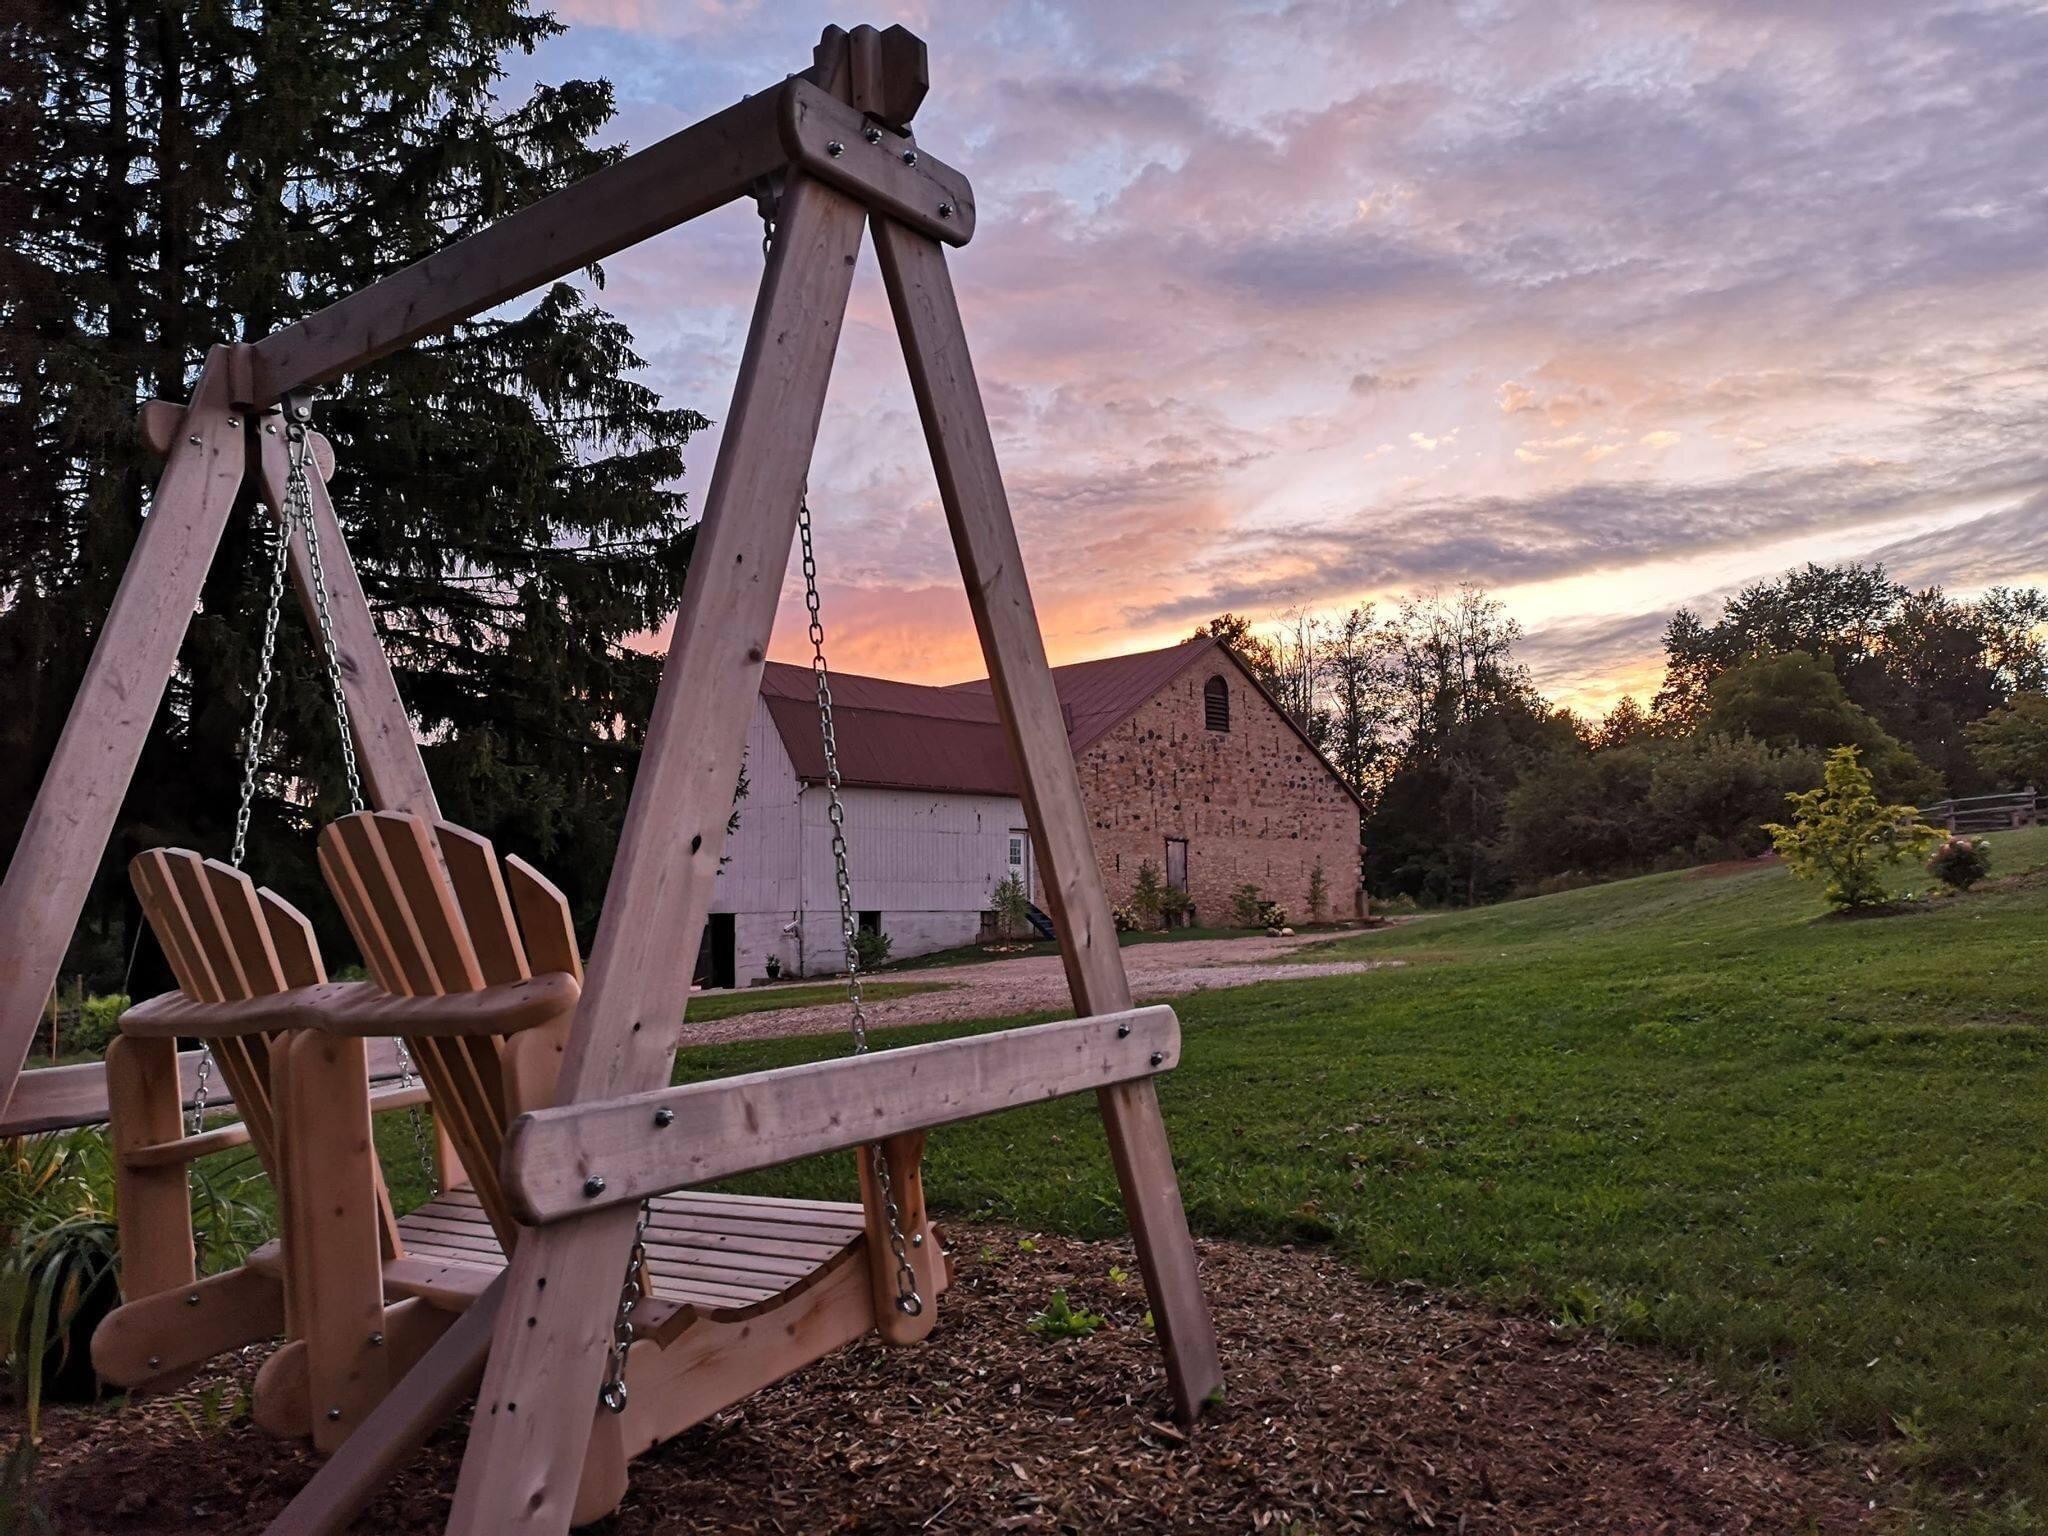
{"x": 1350, "y": 1407}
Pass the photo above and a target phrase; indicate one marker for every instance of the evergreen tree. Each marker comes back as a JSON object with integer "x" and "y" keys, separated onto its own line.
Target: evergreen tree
{"x": 188, "y": 174}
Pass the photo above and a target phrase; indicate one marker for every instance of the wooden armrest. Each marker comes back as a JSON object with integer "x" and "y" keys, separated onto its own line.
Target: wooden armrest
{"x": 505, "y": 1009}
{"x": 174, "y": 1015}
{"x": 361, "y": 1008}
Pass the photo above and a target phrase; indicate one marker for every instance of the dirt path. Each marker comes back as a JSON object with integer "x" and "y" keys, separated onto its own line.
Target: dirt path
{"x": 994, "y": 989}
{"x": 1348, "y": 1408}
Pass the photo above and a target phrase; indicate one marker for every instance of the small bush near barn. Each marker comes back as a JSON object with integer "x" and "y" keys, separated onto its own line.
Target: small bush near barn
{"x": 872, "y": 949}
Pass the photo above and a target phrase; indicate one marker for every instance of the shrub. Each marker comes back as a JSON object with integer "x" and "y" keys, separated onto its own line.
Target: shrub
{"x": 871, "y": 948}
{"x": 1011, "y": 906}
{"x": 98, "y": 1021}
{"x": 1175, "y": 907}
{"x": 1318, "y": 892}
{"x": 1961, "y": 862}
{"x": 1126, "y": 919}
{"x": 1248, "y": 905}
{"x": 1148, "y": 895}
{"x": 1843, "y": 834}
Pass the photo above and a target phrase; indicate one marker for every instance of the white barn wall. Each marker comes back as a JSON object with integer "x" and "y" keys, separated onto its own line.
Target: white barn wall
{"x": 927, "y": 861}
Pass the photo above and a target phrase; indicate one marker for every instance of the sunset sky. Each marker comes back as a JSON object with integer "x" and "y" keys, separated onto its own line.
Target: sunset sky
{"x": 1606, "y": 306}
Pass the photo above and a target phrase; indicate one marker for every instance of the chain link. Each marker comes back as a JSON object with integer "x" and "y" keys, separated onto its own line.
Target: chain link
{"x": 613, "y": 1393}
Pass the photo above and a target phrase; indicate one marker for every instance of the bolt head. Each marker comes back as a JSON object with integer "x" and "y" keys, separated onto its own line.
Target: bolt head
{"x": 664, "y": 1118}
{"x": 193, "y": 439}
{"x": 910, "y": 157}
{"x": 594, "y": 1185}
{"x": 192, "y": 1299}
{"x": 333, "y": 1414}
{"x": 945, "y": 210}
{"x": 155, "y": 1361}
{"x": 376, "y": 1341}
{"x": 872, "y": 134}
{"x": 835, "y": 149}
{"x": 271, "y": 429}
{"x": 917, "y": 1239}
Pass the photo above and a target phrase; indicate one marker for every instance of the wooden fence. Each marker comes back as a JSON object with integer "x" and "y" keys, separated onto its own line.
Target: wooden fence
{"x": 1986, "y": 813}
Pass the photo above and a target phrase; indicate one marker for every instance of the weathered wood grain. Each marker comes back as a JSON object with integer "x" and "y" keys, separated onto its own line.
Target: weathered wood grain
{"x": 759, "y": 1119}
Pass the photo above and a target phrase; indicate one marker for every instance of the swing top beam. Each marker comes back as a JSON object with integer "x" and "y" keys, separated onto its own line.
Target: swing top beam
{"x": 861, "y": 145}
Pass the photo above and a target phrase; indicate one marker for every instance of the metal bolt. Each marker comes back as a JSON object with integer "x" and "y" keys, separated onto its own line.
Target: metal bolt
{"x": 917, "y": 1239}
{"x": 835, "y": 149}
{"x": 333, "y": 1414}
{"x": 234, "y": 421}
{"x": 910, "y": 157}
{"x": 271, "y": 429}
{"x": 193, "y": 439}
{"x": 155, "y": 1361}
{"x": 945, "y": 210}
{"x": 593, "y": 1186}
{"x": 376, "y": 1341}
{"x": 872, "y": 134}
{"x": 1158, "y": 1057}
{"x": 1122, "y": 1030}
{"x": 192, "y": 1300}
{"x": 664, "y": 1118}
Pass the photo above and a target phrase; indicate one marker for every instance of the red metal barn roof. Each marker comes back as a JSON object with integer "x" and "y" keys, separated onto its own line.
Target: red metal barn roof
{"x": 909, "y": 736}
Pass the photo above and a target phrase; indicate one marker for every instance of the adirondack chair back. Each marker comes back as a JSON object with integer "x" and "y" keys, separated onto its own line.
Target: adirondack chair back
{"x": 434, "y": 912}
{"x": 228, "y": 940}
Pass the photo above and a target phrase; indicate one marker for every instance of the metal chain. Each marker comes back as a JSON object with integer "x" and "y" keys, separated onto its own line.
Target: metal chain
{"x": 908, "y": 1301}
{"x": 613, "y": 1393}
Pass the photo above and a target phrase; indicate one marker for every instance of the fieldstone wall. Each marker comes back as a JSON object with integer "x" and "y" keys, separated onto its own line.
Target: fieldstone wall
{"x": 1256, "y": 805}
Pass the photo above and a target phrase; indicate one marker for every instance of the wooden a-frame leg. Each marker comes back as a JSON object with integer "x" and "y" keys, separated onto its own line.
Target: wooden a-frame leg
{"x": 978, "y": 513}
{"x": 81, "y": 793}
{"x": 533, "y": 1415}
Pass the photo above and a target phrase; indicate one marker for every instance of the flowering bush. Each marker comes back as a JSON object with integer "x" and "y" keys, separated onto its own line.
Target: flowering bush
{"x": 1961, "y": 862}
{"x": 1126, "y": 919}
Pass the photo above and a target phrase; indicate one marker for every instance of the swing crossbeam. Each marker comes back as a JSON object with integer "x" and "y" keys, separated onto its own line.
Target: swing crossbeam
{"x": 828, "y": 154}
{"x": 795, "y": 125}
{"x": 575, "y": 1158}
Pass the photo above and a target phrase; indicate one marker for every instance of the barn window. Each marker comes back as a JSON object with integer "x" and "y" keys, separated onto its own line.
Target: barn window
{"x": 1216, "y": 704}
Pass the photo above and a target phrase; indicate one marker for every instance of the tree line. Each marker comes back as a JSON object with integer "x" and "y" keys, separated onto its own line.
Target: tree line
{"x": 1478, "y": 786}
{"x": 174, "y": 176}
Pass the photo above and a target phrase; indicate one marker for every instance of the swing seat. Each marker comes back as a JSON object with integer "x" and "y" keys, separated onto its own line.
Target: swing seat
{"x": 738, "y": 1291}
{"x": 235, "y": 951}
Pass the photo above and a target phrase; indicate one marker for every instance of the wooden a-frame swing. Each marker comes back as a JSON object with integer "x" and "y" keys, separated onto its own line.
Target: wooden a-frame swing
{"x": 561, "y": 1189}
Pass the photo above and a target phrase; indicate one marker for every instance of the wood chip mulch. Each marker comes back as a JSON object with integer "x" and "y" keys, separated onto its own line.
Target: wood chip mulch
{"x": 1350, "y": 1407}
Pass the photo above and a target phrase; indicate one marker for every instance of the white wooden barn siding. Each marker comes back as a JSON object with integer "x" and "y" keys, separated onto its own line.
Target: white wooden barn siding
{"x": 927, "y": 862}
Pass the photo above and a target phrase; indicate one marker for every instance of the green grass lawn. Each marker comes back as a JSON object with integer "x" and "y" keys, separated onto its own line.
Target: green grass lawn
{"x": 1805, "y": 1151}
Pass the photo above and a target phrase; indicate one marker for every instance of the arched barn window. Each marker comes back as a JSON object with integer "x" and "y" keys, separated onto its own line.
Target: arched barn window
{"x": 1216, "y": 704}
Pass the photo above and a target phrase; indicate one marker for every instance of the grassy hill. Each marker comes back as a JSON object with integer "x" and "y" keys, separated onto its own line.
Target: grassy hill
{"x": 1687, "y": 1109}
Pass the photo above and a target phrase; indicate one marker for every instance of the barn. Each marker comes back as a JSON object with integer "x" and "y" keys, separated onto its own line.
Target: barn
{"x": 1185, "y": 761}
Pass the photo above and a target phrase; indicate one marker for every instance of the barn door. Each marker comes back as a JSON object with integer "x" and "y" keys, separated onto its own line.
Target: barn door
{"x": 1177, "y": 863}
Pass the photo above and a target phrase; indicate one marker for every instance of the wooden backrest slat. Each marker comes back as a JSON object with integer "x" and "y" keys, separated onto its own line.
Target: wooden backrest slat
{"x": 423, "y": 890}
{"x": 244, "y": 1065}
{"x": 544, "y": 915}
{"x": 486, "y": 910}
{"x": 243, "y": 926}
{"x": 188, "y": 874}
{"x": 291, "y": 940}
{"x": 165, "y": 910}
{"x": 344, "y": 884}
{"x": 387, "y": 928}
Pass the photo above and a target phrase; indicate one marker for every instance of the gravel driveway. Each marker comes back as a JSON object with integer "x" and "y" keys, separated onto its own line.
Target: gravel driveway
{"x": 994, "y": 989}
